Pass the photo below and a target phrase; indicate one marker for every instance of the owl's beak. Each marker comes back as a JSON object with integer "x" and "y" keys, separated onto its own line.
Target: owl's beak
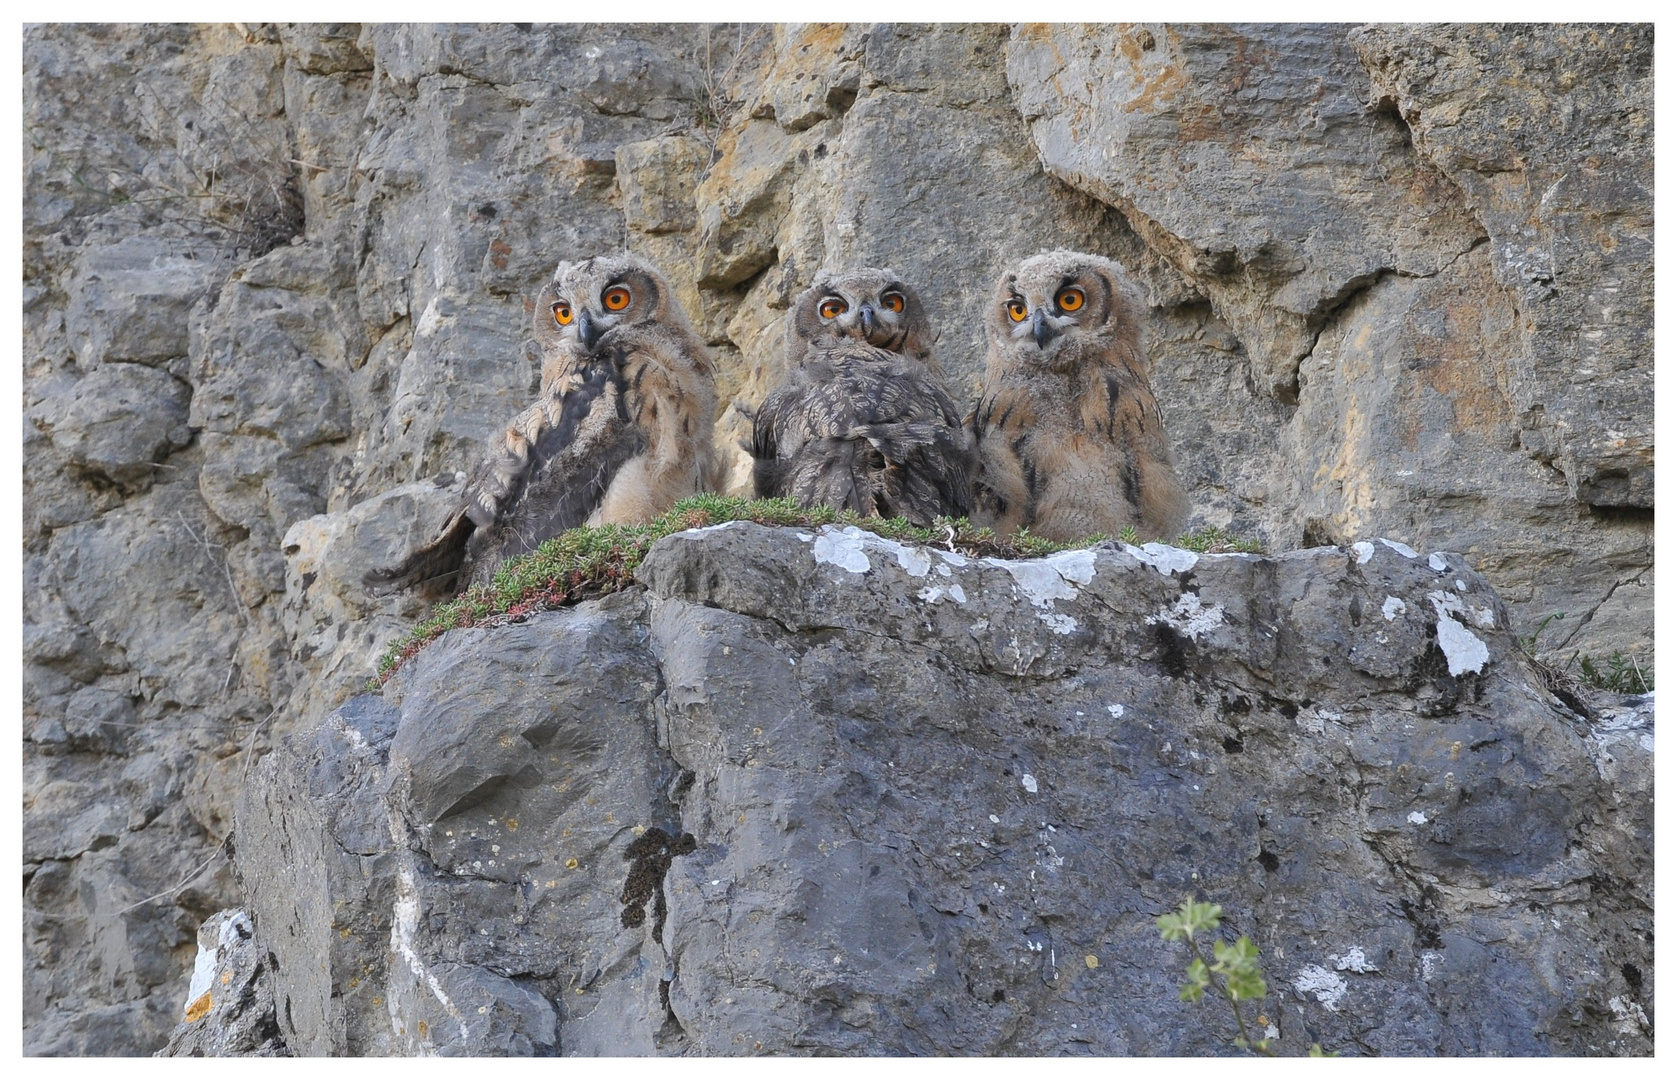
{"x": 587, "y": 330}
{"x": 867, "y": 320}
{"x": 1043, "y": 330}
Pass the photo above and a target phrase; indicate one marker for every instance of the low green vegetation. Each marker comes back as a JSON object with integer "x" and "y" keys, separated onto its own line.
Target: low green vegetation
{"x": 1215, "y": 540}
{"x": 1619, "y": 673}
{"x": 594, "y": 560}
{"x": 1233, "y": 974}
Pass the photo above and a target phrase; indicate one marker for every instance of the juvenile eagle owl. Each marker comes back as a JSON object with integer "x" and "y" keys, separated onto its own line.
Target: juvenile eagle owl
{"x": 1069, "y": 437}
{"x": 620, "y": 431}
{"x": 861, "y": 422}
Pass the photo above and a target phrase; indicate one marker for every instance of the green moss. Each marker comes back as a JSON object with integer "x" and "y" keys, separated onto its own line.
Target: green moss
{"x": 1214, "y": 540}
{"x": 592, "y": 561}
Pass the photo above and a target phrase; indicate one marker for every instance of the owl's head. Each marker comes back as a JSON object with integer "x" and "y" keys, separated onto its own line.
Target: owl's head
{"x": 590, "y": 303}
{"x": 871, "y": 305}
{"x": 1059, "y": 309}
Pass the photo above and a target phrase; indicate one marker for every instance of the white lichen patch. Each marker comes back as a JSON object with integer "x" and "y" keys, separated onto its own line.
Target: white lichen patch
{"x": 724, "y": 525}
{"x": 1364, "y": 550}
{"x": 1038, "y": 580}
{"x": 1429, "y": 964}
{"x": 1046, "y": 580}
{"x": 1402, "y": 549}
{"x": 1163, "y": 558}
{"x": 1329, "y": 987}
{"x": 1628, "y": 1016}
{"x": 1353, "y": 960}
{"x": 1077, "y": 567}
{"x": 1116, "y": 710}
{"x": 1028, "y": 782}
{"x": 216, "y": 937}
{"x": 1463, "y": 650}
{"x": 1393, "y": 607}
{"x": 848, "y": 548}
{"x": 953, "y": 558}
{"x": 933, "y": 593}
{"x": 1417, "y": 818}
{"x": 1060, "y": 624}
{"x": 844, "y": 548}
{"x": 911, "y": 559}
{"x": 1436, "y": 561}
{"x": 1190, "y": 615}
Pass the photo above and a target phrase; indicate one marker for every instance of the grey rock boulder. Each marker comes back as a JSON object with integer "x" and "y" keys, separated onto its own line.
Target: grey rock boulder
{"x": 815, "y": 792}
{"x": 116, "y": 423}
{"x": 129, "y": 300}
{"x": 230, "y": 1002}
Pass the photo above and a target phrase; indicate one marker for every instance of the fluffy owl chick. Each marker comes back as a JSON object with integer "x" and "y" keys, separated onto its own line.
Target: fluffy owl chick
{"x": 620, "y": 431}
{"x": 1069, "y": 437}
{"x": 861, "y": 422}
{"x": 869, "y": 305}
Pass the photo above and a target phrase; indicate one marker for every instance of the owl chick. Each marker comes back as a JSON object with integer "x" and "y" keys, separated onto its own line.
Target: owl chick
{"x": 1069, "y": 436}
{"x": 868, "y": 305}
{"x": 620, "y": 431}
{"x": 861, "y": 422}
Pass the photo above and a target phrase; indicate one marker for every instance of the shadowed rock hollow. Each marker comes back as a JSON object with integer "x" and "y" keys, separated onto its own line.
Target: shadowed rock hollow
{"x": 276, "y": 288}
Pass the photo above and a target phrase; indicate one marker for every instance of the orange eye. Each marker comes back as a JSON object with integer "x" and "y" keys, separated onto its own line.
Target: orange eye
{"x": 616, "y": 298}
{"x": 562, "y": 314}
{"x": 1016, "y": 310}
{"x": 1069, "y": 299}
{"x": 833, "y": 307}
{"x": 891, "y": 301}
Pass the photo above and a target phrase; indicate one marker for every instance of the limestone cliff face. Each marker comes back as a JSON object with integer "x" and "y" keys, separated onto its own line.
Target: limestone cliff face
{"x": 276, "y": 288}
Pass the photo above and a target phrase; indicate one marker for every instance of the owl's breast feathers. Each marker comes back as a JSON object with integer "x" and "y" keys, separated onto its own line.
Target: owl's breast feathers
{"x": 867, "y": 430}
{"x": 543, "y": 474}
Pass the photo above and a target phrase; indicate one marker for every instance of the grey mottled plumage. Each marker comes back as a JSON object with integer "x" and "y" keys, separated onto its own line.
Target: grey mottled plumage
{"x": 620, "y": 431}
{"x": 857, "y": 426}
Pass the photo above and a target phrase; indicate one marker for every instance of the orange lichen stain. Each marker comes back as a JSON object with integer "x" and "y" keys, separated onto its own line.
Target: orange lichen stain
{"x": 610, "y": 818}
{"x": 498, "y": 252}
{"x": 354, "y": 981}
{"x": 565, "y": 832}
{"x": 1091, "y": 961}
{"x": 198, "y": 1009}
{"x": 226, "y": 977}
{"x": 512, "y": 824}
{"x": 424, "y": 1030}
{"x": 740, "y": 819}
{"x": 571, "y": 864}
{"x": 1478, "y": 327}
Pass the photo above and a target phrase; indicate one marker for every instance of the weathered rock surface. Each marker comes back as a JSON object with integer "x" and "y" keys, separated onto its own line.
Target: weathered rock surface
{"x": 812, "y": 793}
{"x": 230, "y": 1002}
{"x": 275, "y": 293}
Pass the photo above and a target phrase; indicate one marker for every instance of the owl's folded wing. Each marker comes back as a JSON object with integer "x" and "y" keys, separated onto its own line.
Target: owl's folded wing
{"x": 543, "y": 474}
